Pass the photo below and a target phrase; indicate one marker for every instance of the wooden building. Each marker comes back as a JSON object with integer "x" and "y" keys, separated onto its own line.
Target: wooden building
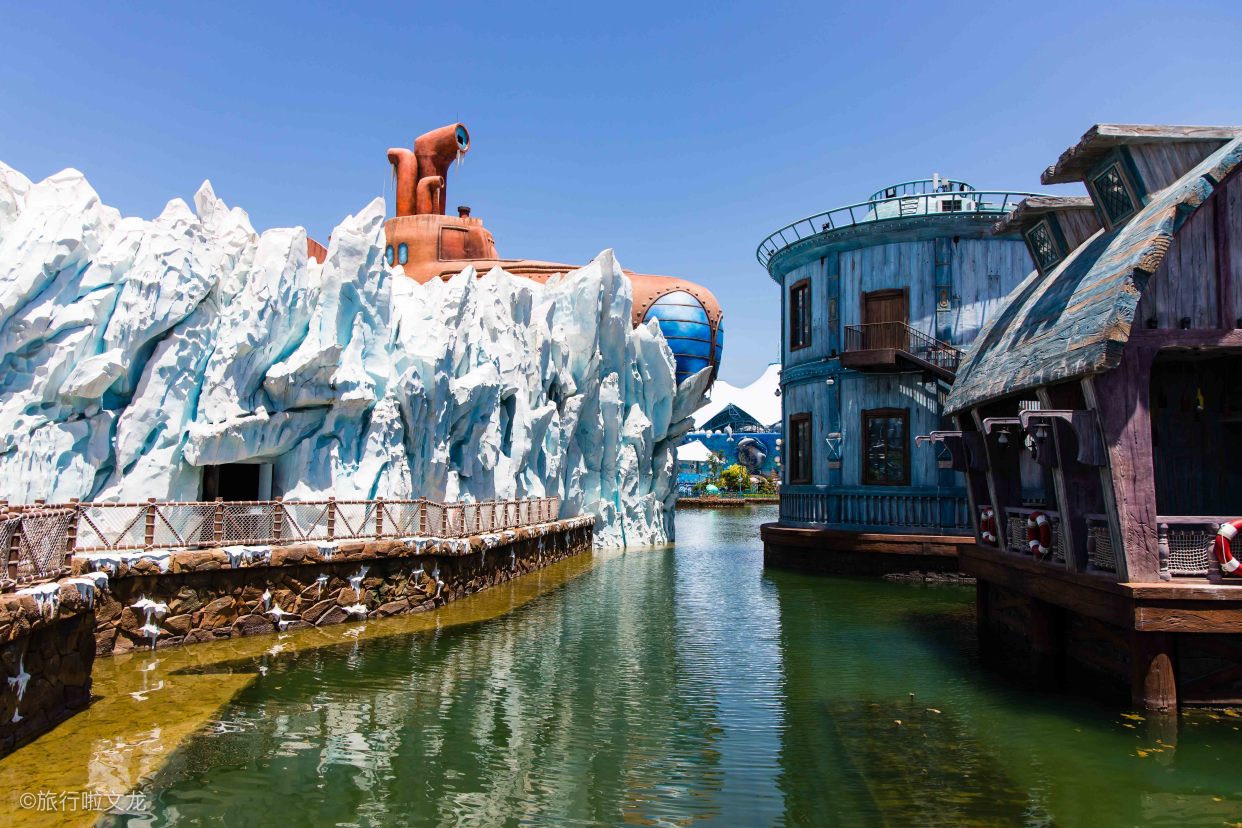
{"x": 878, "y": 298}
{"x": 1098, "y": 419}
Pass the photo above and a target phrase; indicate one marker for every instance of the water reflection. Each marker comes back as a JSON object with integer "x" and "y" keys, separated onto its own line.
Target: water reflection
{"x": 616, "y": 698}
{"x": 662, "y": 687}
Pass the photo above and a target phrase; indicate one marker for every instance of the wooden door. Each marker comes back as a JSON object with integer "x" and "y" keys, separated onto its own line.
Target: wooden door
{"x": 885, "y": 313}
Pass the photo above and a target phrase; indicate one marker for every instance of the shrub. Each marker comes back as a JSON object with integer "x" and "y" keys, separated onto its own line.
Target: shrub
{"x": 735, "y": 478}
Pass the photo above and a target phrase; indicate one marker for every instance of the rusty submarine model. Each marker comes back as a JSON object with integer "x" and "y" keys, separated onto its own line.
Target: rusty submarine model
{"x": 427, "y": 244}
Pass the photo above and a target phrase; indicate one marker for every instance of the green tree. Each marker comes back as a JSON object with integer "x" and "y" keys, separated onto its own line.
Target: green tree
{"x": 735, "y": 478}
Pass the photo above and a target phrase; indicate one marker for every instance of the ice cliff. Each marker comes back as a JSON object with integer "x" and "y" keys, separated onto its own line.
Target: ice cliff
{"x": 135, "y": 352}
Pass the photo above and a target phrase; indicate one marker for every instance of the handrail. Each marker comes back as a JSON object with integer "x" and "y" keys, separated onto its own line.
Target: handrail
{"x": 905, "y": 509}
{"x": 902, "y": 337}
{"x": 922, "y": 186}
{"x": 887, "y": 209}
{"x": 40, "y": 537}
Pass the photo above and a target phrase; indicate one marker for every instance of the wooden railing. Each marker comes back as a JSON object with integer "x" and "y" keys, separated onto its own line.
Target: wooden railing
{"x": 1019, "y": 541}
{"x": 40, "y": 538}
{"x": 866, "y": 508}
{"x": 1185, "y": 543}
{"x": 902, "y": 337}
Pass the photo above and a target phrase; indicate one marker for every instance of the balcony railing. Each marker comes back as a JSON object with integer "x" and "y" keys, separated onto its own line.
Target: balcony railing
{"x": 865, "y": 508}
{"x": 901, "y": 337}
{"x": 901, "y": 206}
{"x": 40, "y": 539}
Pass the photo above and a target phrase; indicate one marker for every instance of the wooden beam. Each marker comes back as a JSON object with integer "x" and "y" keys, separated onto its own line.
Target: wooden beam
{"x": 1153, "y": 682}
{"x": 1222, "y": 234}
{"x": 1089, "y": 595}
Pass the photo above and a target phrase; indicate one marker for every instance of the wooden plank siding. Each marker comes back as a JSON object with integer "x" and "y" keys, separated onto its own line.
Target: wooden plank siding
{"x": 1160, "y": 165}
{"x": 1188, "y": 284}
{"x": 1078, "y": 225}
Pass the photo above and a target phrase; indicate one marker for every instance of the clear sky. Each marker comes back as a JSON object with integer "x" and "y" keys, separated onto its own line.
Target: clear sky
{"x": 679, "y": 134}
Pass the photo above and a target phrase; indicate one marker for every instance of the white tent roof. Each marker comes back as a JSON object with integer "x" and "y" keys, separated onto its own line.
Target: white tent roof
{"x": 693, "y": 452}
{"x": 758, "y": 399}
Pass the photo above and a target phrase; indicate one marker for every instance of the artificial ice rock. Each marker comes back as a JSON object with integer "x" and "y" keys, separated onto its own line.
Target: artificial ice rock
{"x": 137, "y": 352}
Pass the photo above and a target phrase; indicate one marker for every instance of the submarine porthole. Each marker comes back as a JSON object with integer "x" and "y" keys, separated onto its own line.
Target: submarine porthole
{"x": 403, "y": 253}
{"x": 388, "y": 254}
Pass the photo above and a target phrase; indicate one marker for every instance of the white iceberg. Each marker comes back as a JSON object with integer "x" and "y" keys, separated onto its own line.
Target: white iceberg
{"x": 137, "y": 352}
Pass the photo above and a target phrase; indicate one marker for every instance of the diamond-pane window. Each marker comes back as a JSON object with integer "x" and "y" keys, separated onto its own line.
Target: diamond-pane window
{"x": 1043, "y": 246}
{"x": 1112, "y": 194}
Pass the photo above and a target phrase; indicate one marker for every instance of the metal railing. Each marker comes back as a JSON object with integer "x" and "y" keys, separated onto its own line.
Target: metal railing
{"x": 40, "y": 538}
{"x": 902, "y": 337}
{"x": 867, "y": 508}
{"x": 922, "y": 186}
{"x": 990, "y": 202}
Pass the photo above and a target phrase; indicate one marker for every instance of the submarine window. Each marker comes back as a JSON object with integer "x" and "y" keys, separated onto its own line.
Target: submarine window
{"x": 389, "y": 255}
{"x": 403, "y": 253}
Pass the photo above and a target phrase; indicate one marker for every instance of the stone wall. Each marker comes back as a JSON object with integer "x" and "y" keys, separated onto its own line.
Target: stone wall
{"x": 198, "y": 596}
{"x": 47, "y": 648}
{"x": 51, "y": 633}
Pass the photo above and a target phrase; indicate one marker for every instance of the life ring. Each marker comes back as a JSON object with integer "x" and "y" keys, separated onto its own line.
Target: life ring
{"x": 987, "y": 526}
{"x": 1039, "y": 532}
{"x": 1221, "y": 545}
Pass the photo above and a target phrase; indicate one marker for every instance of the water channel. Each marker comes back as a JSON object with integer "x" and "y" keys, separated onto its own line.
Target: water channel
{"x": 673, "y": 686}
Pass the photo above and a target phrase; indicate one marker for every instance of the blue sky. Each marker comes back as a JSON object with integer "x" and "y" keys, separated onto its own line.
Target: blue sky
{"x": 678, "y": 134}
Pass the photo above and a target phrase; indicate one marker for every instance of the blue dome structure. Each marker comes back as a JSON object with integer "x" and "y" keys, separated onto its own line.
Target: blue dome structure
{"x": 686, "y": 327}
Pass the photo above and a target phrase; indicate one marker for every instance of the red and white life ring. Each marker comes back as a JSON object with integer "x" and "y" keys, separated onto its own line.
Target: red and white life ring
{"x": 987, "y": 526}
{"x": 1221, "y": 545}
{"x": 1039, "y": 532}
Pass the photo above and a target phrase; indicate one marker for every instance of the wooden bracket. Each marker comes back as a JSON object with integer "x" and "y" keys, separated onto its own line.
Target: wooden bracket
{"x": 1084, "y": 424}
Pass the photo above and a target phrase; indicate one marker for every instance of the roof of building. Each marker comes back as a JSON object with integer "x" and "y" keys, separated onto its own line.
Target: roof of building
{"x": 1034, "y": 206}
{"x": 1101, "y": 138}
{"x": 733, "y": 418}
{"x": 694, "y": 452}
{"x": 758, "y": 399}
{"x": 1075, "y": 319}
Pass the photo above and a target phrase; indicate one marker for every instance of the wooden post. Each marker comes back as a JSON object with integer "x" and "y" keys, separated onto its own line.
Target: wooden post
{"x": 1162, "y": 546}
{"x": 379, "y": 517}
{"x": 278, "y": 519}
{"x": 71, "y": 535}
{"x": 331, "y": 518}
{"x": 1153, "y": 682}
{"x": 13, "y": 553}
{"x": 217, "y": 524}
{"x": 1043, "y": 639}
{"x": 422, "y": 516}
{"x": 149, "y": 537}
{"x": 983, "y": 621}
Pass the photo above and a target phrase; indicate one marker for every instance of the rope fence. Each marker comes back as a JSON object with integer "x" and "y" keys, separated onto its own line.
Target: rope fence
{"x": 40, "y": 539}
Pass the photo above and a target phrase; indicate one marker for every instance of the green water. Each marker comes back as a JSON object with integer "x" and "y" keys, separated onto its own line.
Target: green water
{"x": 689, "y": 686}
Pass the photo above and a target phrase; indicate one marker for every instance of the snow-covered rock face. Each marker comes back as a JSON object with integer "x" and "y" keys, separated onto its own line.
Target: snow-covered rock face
{"x": 135, "y": 352}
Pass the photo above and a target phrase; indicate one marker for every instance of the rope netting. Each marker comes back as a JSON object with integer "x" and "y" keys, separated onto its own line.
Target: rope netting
{"x": 1190, "y": 550}
{"x": 1100, "y": 551}
{"x": 41, "y": 549}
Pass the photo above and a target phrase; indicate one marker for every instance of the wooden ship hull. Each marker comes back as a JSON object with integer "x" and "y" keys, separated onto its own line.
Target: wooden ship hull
{"x": 1099, "y": 421}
